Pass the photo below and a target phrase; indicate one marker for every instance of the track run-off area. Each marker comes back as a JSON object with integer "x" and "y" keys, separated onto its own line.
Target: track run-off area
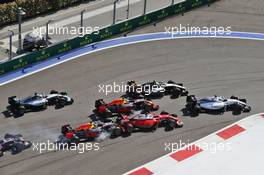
{"x": 237, "y": 141}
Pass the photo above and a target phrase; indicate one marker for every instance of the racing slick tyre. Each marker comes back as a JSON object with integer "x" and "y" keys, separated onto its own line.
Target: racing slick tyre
{"x": 161, "y": 95}
{"x": 174, "y": 115}
{"x": 99, "y": 102}
{"x": 8, "y": 135}
{"x": 234, "y": 97}
{"x": 105, "y": 115}
{"x": 54, "y": 92}
{"x": 164, "y": 113}
{"x": 170, "y": 125}
{"x": 61, "y": 102}
{"x": 128, "y": 129}
{"x": 16, "y": 148}
{"x": 191, "y": 99}
{"x": 63, "y": 93}
{"x": 116, "y": 132}
{"x": 171, "y": 82}
{"x": 65, "y": 129}
{"x": 71, "y": 102}
{"x": 19, "y": 135}
{"x": 45, "y": 106}
{"x": 195, "y": 111}
{"x": 247, "y": 109}
{"x": 175, "y": 93}
{"x": 154, "y": 95}
{"x": 52, "y": 101}
{"x": 185, "y": 93}
{"x": 154, "y": 127}
{"x": 148, "y": 107}
{"x": 179, "y": 123}
{"x": 148, "y": 99}
{"x": 106, "y": 120}
{"x": 157, "y": 95}
{"x": 237, "y": 109}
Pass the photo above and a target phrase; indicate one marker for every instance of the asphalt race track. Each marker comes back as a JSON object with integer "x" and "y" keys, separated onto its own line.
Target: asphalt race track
{"x": 206, "y": 66}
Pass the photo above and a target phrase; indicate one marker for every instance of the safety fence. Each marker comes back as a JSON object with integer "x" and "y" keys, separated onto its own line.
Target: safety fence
{"x": 119, "y": 28}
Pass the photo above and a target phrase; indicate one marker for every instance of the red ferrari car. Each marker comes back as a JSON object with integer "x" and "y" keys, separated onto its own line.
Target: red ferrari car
{"x": 150, "y": 121}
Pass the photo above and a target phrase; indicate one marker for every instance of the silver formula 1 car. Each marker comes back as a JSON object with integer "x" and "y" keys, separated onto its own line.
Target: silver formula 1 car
{"x": 37, "y": 102}
{"x": 13, "y": 143}
{"x": 59, "y": 99}
{"x": 216, "y": 104}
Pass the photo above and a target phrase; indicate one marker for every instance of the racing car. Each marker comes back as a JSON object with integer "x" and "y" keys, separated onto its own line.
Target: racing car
{"x": 133, "y": 91}
{"x": 123, "y": 106}
{"x": 88, "y": 132}
{"x": 150, "y": 121}
{"x": 31, "y": 103}
{"x": 156, "y": 89}
{"x": 59, "y": 99}
{"x": 13, "y": 143}
{"x": 216, "y": 104}
{"x": 38, "y": 101}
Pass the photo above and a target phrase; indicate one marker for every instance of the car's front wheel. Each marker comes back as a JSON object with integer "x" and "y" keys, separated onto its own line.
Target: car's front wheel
{"x": 170, "y": 125}
{"x": 16, "y": 148}
{"x": 175, "y": 93}
{"x": 116, "y": 132}
{"x": 195, "y": 111}
{"x": 247, "y": 109}
{"x": 237, "y": 109}
{"x": 61, "y": 102}
{"x": 45, "y": 106}
{"x": 1, "y": 153}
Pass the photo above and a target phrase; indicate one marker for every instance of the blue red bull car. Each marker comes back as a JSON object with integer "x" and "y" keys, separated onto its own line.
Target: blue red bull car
{"x": 123, "y": 106}
{"x": 88, "y": 132}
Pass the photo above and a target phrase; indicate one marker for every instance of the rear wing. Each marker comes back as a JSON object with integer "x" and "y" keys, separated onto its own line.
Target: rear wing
{"x": 12, "y": 100}
{"x": 99, "y": 102}
{"x": 66, "y": 129}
